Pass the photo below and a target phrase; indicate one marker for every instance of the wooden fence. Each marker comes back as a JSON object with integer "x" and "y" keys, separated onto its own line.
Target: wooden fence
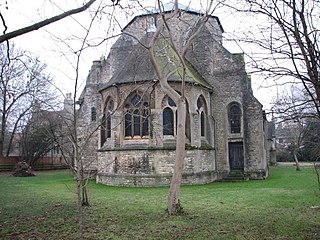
{"x": 45, "y": 163}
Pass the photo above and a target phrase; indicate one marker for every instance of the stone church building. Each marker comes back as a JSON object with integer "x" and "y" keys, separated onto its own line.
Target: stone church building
{"x": 136, "y": 121}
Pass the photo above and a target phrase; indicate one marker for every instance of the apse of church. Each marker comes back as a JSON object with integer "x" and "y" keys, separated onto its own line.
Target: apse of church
{"x": 136, "y": 121}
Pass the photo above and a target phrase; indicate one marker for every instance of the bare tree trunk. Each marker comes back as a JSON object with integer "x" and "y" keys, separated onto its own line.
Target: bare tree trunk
{"x": 3, "y": 128}
{"x": 15, "y": 129}
{"x": 318, "y": 174}
{"x": 85, "y": 199}
{"x": 174, "y": 205}
{"x": 79, "y": 203}
{"x": 2, "y": 138}
{"x": 296, "y": 160}
{"x": 316, "y": 168}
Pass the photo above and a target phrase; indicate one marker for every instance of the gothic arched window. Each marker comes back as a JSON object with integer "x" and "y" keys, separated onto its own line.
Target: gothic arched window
{"x": 136, "y": 117}
{"x": 202, "y": 110}
{"x": 168, "y": 120}
{"x": 234, "y": 118}
{"x": 169, "y": 116}
{"x": 93, "y": 114}
{"x": 106, "y": 121}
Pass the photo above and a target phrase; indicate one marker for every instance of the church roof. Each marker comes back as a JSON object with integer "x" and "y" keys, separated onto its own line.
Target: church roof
{"x": 137, "y": 67}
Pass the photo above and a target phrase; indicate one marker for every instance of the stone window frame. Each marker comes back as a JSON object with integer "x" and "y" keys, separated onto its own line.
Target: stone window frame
{"x": 234, "y": 118}
{"x": 136, "y": 113}
{"x": 169, "y": 105}
{"x": 202, "y": 111}
{"x": 108, "y": 110}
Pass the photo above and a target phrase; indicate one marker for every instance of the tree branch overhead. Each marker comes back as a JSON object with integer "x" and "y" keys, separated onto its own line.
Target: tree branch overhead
{"x": 38, "y": 25}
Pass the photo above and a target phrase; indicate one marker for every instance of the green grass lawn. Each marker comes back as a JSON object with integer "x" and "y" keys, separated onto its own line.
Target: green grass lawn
{"x": 285, "y": 206}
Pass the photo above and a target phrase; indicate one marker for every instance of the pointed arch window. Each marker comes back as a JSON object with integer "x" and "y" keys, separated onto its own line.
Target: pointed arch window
{"x": 106, "y": 120}
{"x": 202, "y": 124}
{"x": 136, "y": 119}
{"x": 202, "y": 110}
{"x": 169, "y": 117}
{"x": 168, "y": 120}
{"x": 234, "y": 118}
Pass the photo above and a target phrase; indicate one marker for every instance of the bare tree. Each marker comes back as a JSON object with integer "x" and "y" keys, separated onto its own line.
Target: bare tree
{"x": 72, "y": 142}
{"x": 38, "y": 134}
{"x": 76, "y": 136}
{"x": 36, "y": 144}
{"x": 286, "y": 42}
{"x": 23, "y": 80}
{"x": 311, "y": 146}
{"x": 316, "y": 168}
{"x": 292, "y": 134}
{"x": 291, "y": 113}
{"x": 164, "y": 45}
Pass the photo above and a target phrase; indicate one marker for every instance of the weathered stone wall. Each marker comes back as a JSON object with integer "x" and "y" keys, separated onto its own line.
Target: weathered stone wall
{"x": 256, "y": 164}
{"x": 88, "y": 134}
{"x": 154, "y": 166}
{"x": 182, "y": 26}
{"x": 156, "y": 180}
{"x": 155, "y": 155}
{"x": 149, "y": 161}
{"x": 227, "y": 75}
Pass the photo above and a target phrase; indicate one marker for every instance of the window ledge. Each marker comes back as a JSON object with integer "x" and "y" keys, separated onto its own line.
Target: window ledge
{"x": 135, "y": 141}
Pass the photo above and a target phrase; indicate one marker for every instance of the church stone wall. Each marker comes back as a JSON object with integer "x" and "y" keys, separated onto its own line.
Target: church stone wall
{"x": 149, "y": 161}
{"x": 181, "y": 28}
{"x": 88, "y": 134}
{"x": 256, "y": 164}
{"x": 154, "y": 167}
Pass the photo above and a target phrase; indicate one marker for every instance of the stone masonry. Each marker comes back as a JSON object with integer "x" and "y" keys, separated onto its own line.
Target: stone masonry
{"x": 136, "y": 120}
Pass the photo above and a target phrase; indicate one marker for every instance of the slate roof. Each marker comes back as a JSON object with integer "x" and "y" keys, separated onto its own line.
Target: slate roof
{"x": 137, "y": 67}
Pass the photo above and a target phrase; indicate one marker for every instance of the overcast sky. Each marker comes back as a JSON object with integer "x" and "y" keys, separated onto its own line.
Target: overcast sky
{"x": 57, "y": 55}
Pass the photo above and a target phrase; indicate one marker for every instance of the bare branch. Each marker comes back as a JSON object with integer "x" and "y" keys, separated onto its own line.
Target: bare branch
{"x": 38, "y": 25}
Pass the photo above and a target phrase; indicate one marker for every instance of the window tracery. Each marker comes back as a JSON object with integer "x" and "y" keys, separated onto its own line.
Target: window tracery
{"x": 136, "y": 117}
{"x": 202, "y": 111}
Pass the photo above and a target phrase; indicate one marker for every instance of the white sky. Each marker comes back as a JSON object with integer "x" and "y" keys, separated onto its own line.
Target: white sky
{"x": 58, "y": 57}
